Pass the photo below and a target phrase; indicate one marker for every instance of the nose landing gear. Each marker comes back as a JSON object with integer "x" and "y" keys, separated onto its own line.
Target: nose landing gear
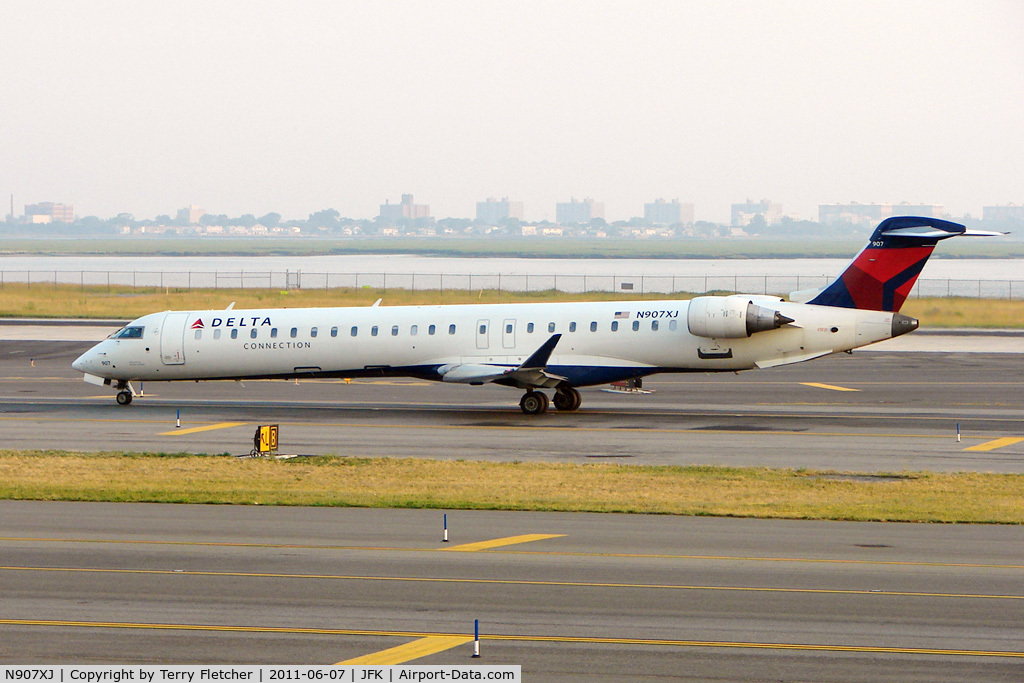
{"x": 125, "y": 393}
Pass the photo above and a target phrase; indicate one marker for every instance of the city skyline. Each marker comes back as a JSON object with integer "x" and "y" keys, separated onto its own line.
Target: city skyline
{"x": 255, "y": 107}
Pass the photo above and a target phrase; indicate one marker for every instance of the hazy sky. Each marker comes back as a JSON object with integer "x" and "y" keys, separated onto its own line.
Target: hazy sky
{"x": 251, "y": 107}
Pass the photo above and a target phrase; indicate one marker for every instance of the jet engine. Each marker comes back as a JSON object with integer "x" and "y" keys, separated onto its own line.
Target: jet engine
{"x": 730, "y": 317}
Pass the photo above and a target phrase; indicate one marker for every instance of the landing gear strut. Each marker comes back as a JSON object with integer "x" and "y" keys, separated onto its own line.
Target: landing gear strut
{"x": 567, "y": 399}
{"x": 533, "y": 402}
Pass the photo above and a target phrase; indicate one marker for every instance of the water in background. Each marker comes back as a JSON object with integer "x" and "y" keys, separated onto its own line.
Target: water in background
{"x": 999, "y": 278}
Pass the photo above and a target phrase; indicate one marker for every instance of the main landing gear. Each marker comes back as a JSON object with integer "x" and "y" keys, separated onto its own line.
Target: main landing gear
{"x": 566, "y": 399}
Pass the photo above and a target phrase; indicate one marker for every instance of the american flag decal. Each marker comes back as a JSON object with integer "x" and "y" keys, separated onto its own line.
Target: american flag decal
{"x": 619, "y": 315}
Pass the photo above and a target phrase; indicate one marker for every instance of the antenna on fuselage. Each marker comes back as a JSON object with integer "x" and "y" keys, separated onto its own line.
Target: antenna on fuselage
{"x": 230, "y": 306}
{"x": 376, "y": 303}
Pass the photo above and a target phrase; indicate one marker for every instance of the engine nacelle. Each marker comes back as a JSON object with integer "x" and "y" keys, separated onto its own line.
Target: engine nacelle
{"x": 730, "y": 317}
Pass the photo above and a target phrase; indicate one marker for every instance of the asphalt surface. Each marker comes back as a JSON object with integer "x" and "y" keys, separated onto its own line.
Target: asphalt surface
{"x": 604, "y": 597}
{"x": 869, "y": 411}
{"x": 596, "y": 597}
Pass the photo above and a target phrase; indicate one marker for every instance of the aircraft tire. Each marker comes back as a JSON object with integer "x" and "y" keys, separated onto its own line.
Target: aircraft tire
{"x": 124, "y": 398}
{"x": 567, "y": 400}
{"x": 534, "y": 403}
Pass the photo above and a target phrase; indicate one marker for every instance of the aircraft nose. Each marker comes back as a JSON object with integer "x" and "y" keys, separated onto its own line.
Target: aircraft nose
{"x": 84, "y": 362}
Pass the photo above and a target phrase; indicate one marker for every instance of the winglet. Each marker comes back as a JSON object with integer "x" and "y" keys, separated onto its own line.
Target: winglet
{"x": 539, "y": 359}
{"x": 530, "y": 373}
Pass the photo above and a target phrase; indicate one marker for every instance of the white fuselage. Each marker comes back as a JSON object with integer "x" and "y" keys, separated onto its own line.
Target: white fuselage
{"x": 600, "y": 341}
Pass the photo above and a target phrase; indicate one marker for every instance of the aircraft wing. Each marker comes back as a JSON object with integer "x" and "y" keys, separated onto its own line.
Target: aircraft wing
{"x": 530, "y": 373}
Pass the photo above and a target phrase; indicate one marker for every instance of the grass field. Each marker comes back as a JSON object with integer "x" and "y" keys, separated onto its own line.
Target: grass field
{"x": 18, "y": 300}
{"x": 415, "y": 483}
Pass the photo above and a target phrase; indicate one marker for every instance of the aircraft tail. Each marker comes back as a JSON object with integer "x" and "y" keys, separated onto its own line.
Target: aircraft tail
{"x": 881, "y": 276}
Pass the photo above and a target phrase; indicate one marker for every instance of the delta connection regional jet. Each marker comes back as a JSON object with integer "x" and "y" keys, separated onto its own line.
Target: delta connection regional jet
{"x": 531, "y": 347}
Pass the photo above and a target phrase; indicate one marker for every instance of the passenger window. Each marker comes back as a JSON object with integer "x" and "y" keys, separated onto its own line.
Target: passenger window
{"x": 673, "y": 325}
{"x": 355, "y": 331}
{"x": 312, "y": 332}
{"x": 615, "y": 326}
{"x": 216, "y": 334}
{"x": 593, "y": 327}
{"x": 334, "y": 331}
{"x": 451, "y": 329}
{"x": 294, "y": 332}
{"x": 432, "y": 329}
{"x": 529, "y": 328}
{"x": 636, "y": 325}
{"x": 234, "y": 333}
{"x": 551, "y": 327}
{"x": 572, "y": 327}
{"x": 394, "y": 331}
{"x": 413, "y": 330}
{"x": 199, "y": 334}
{"x": 273, "y": 333}
{"x": 373, "y": 331}
{"x": 252, "y": 333}
{"x": 654, "y": 326}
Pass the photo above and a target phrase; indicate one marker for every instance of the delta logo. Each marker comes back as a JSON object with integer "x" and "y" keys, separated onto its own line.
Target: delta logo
{"x": 253, "y": 321}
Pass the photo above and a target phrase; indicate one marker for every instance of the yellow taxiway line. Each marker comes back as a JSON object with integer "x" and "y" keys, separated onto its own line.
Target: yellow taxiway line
{"x": 520, "y": 638}
{"x": 833, "y": 387}
{"x": 410, "y": 651}
{"x": 553, "y": 553}
{"x": 501, "y": 542}
{"x": 205, "y": 428}
{"x": 523, "y": 582}
{"x": 996, "y": 443}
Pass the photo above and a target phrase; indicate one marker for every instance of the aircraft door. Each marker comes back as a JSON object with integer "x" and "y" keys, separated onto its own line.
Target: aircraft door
{"x": 508, "y": 334}
{"x": 172, "y": 339}
{"x": 483, "y": 334}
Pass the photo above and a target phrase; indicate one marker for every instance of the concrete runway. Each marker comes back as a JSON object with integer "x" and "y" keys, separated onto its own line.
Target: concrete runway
{"x": 871, "y": 411}
{"x": 600, "y": 597}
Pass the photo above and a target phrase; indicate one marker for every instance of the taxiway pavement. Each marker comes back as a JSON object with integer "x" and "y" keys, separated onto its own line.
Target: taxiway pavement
{"x": 594, "y": 597}
{"x": 870, "y": 411}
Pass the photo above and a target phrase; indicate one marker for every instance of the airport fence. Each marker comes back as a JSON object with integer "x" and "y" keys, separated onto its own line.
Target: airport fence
{"x": 640, "y": 284}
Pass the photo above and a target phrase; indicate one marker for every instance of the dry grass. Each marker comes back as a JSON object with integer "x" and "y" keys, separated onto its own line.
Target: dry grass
{"x": 412, "y": 483}
{"x": 62, "y": 301}
{"x": 963, "y": 312}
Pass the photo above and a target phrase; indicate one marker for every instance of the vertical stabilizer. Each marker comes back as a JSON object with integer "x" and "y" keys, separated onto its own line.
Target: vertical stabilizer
{"x": 881, "y": 276}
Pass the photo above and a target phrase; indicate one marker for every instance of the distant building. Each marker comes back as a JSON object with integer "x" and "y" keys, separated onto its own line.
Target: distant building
{"x": 189, "y": 215}
{"x": 869, "y": 214}
{"x": 1010, "y": 212}
{"x": 661, "y": 212}
{"x": 494, "y": 212}
{"x": 578, "y": 212}
{"x": 49, "y": 212}
{"x": 743, "y": 213}
{"x": 394, "y": 213}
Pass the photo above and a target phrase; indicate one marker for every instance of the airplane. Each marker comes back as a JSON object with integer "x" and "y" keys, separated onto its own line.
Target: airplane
{"x": 533, "y": 346}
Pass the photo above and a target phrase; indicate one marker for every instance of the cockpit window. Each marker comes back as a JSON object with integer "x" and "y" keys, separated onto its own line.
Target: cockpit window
{"x": 128, "y": 333}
